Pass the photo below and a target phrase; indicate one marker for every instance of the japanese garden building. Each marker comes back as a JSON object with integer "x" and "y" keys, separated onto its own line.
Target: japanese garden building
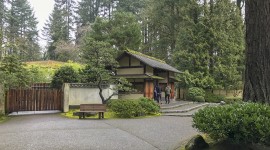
{"x": 144, "y": 72}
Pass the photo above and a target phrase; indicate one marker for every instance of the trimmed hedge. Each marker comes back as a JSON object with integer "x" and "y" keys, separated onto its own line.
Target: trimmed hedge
{"x": 230, "y": 100}
{"x": 199, "y": 99}
{"x": 195, "y": 91}
{"x": 149, "y": 105}
{"x": 212, "y": 98}
{"x": 133, "y": 108}
{"x": 239, "y": 123}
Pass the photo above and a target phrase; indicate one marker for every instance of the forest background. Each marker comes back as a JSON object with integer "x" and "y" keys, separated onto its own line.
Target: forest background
{"x": 202, "y": 38}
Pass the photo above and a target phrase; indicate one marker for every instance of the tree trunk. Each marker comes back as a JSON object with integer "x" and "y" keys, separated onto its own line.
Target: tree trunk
{"x": 100, "y": 90}
{"x": 257, "y": 73}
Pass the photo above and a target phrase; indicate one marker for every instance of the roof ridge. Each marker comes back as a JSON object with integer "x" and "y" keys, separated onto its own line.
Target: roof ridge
{"x": 144, "y": 55}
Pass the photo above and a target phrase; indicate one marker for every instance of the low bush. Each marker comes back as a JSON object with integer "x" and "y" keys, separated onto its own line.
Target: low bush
{"x": 149, "y": 106}
{"x": 199, "y": 99}
{"x": 133, "y": 108}
{"x": 126, "y": 108}
{"x": 230, "y": 100}
{"x": 212, "y": 98}
{"x": 195, "y": 91}
{"x": 240, "y": 123}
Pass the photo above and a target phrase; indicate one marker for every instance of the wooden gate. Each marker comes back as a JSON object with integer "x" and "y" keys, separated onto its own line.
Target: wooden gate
{"x": 34, "y": 99}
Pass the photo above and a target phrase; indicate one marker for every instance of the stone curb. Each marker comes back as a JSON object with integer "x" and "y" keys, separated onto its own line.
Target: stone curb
{"x": 20, "y": 113}
{"x": 178, "y": 115}
{"x": 175, "y": 106}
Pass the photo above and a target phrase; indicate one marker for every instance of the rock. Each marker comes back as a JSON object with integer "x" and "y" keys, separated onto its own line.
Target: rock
{"x": 222, "y": 103}
{"x": 196, "y": 143}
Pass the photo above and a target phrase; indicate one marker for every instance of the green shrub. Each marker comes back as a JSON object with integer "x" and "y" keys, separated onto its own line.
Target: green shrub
{"x": 230, "y": 100}
{"x": 149, "y": 106}
{"x": 133, "y": 108}
{"x": 212, "y": 98}
{"x": 65, "y": 74}
{"x": 195, "y": 91}
{"x": 199, "y": 99}
{"x": 126, "y": 108}
{"x": 240, "y": 123}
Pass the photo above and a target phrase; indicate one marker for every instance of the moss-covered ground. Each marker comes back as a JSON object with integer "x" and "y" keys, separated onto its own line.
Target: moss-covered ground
{"x": 107, "y": 115}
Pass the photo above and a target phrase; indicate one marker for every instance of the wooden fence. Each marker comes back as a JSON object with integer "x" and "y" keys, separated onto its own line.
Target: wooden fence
{"x": 37, "y": 98}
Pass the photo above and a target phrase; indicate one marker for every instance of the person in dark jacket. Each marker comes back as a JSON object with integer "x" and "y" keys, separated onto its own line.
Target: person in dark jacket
{"x": 157, "y": 93}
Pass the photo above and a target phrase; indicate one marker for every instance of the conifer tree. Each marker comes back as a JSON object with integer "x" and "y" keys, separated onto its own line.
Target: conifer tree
{"x": 161, "y": 22}
{"x": 122, "y": 31}
{"x": 21, "y": 32}
{"x": 59, "y": 26}
{"x": 134, "y": 7}
{"x": 87, "y": 11}
{"x": 3, "y": 10}
{"x": 211, "y": 44}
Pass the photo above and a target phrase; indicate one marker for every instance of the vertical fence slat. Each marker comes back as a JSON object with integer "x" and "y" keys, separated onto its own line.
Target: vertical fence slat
{"x": 39, "y": 97}
{"x": 33, "y": 100}
{"x": 37, "y": 100}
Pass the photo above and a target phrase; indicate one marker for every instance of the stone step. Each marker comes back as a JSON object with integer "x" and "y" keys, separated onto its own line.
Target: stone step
{"x": 187, "y": 108}
{"x": 179, "y": 104}
{"x": 183, "y": 107}
{"x": 184, "y": 114}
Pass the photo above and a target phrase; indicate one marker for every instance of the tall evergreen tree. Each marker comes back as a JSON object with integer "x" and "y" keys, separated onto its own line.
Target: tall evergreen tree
{"x": 3, "y": 10}
{"x": 125, "y": 31}
{"x": 131, "y": 6}
{"x": 87, "y": 11}
{"x": 161, "y": 22}
{"x": 122, "y": 31}
{"x": 53, "y": 32}
{"x": 211, "y": 44}
{"x": 21, "y": 32}
{"x": 68, "y": 7}
{"x": 59, "y": 27}
{"x": 107, "y": 8}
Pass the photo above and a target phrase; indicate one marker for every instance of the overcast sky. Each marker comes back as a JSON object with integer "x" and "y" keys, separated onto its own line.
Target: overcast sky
{"x": 42, "y": 10}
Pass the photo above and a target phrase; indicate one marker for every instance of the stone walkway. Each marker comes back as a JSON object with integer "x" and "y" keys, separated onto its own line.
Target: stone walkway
{"x": 182, "y": 108}
{"x": 54, "y": 132}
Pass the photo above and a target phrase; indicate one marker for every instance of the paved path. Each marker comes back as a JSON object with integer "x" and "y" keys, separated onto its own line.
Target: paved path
{"x": 54, "y": 132}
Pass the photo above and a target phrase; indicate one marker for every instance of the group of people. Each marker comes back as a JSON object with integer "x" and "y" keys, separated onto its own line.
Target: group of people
{"x": 157, "y": 94}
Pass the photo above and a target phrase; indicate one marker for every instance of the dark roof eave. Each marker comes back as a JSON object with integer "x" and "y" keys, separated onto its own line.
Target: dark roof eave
{"x": 175, "y": 71}
{"x": 143, "y": 76}
{"x": 144, "y": 60}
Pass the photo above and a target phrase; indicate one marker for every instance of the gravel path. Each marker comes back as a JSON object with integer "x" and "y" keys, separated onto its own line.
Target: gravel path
{"x": 54, "y": 132}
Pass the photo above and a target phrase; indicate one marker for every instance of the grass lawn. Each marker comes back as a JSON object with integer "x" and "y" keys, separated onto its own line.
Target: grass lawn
{"x": 107, "y": 115}
{"x": 69, "y": 114}
{"x": 3, "y": 118}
